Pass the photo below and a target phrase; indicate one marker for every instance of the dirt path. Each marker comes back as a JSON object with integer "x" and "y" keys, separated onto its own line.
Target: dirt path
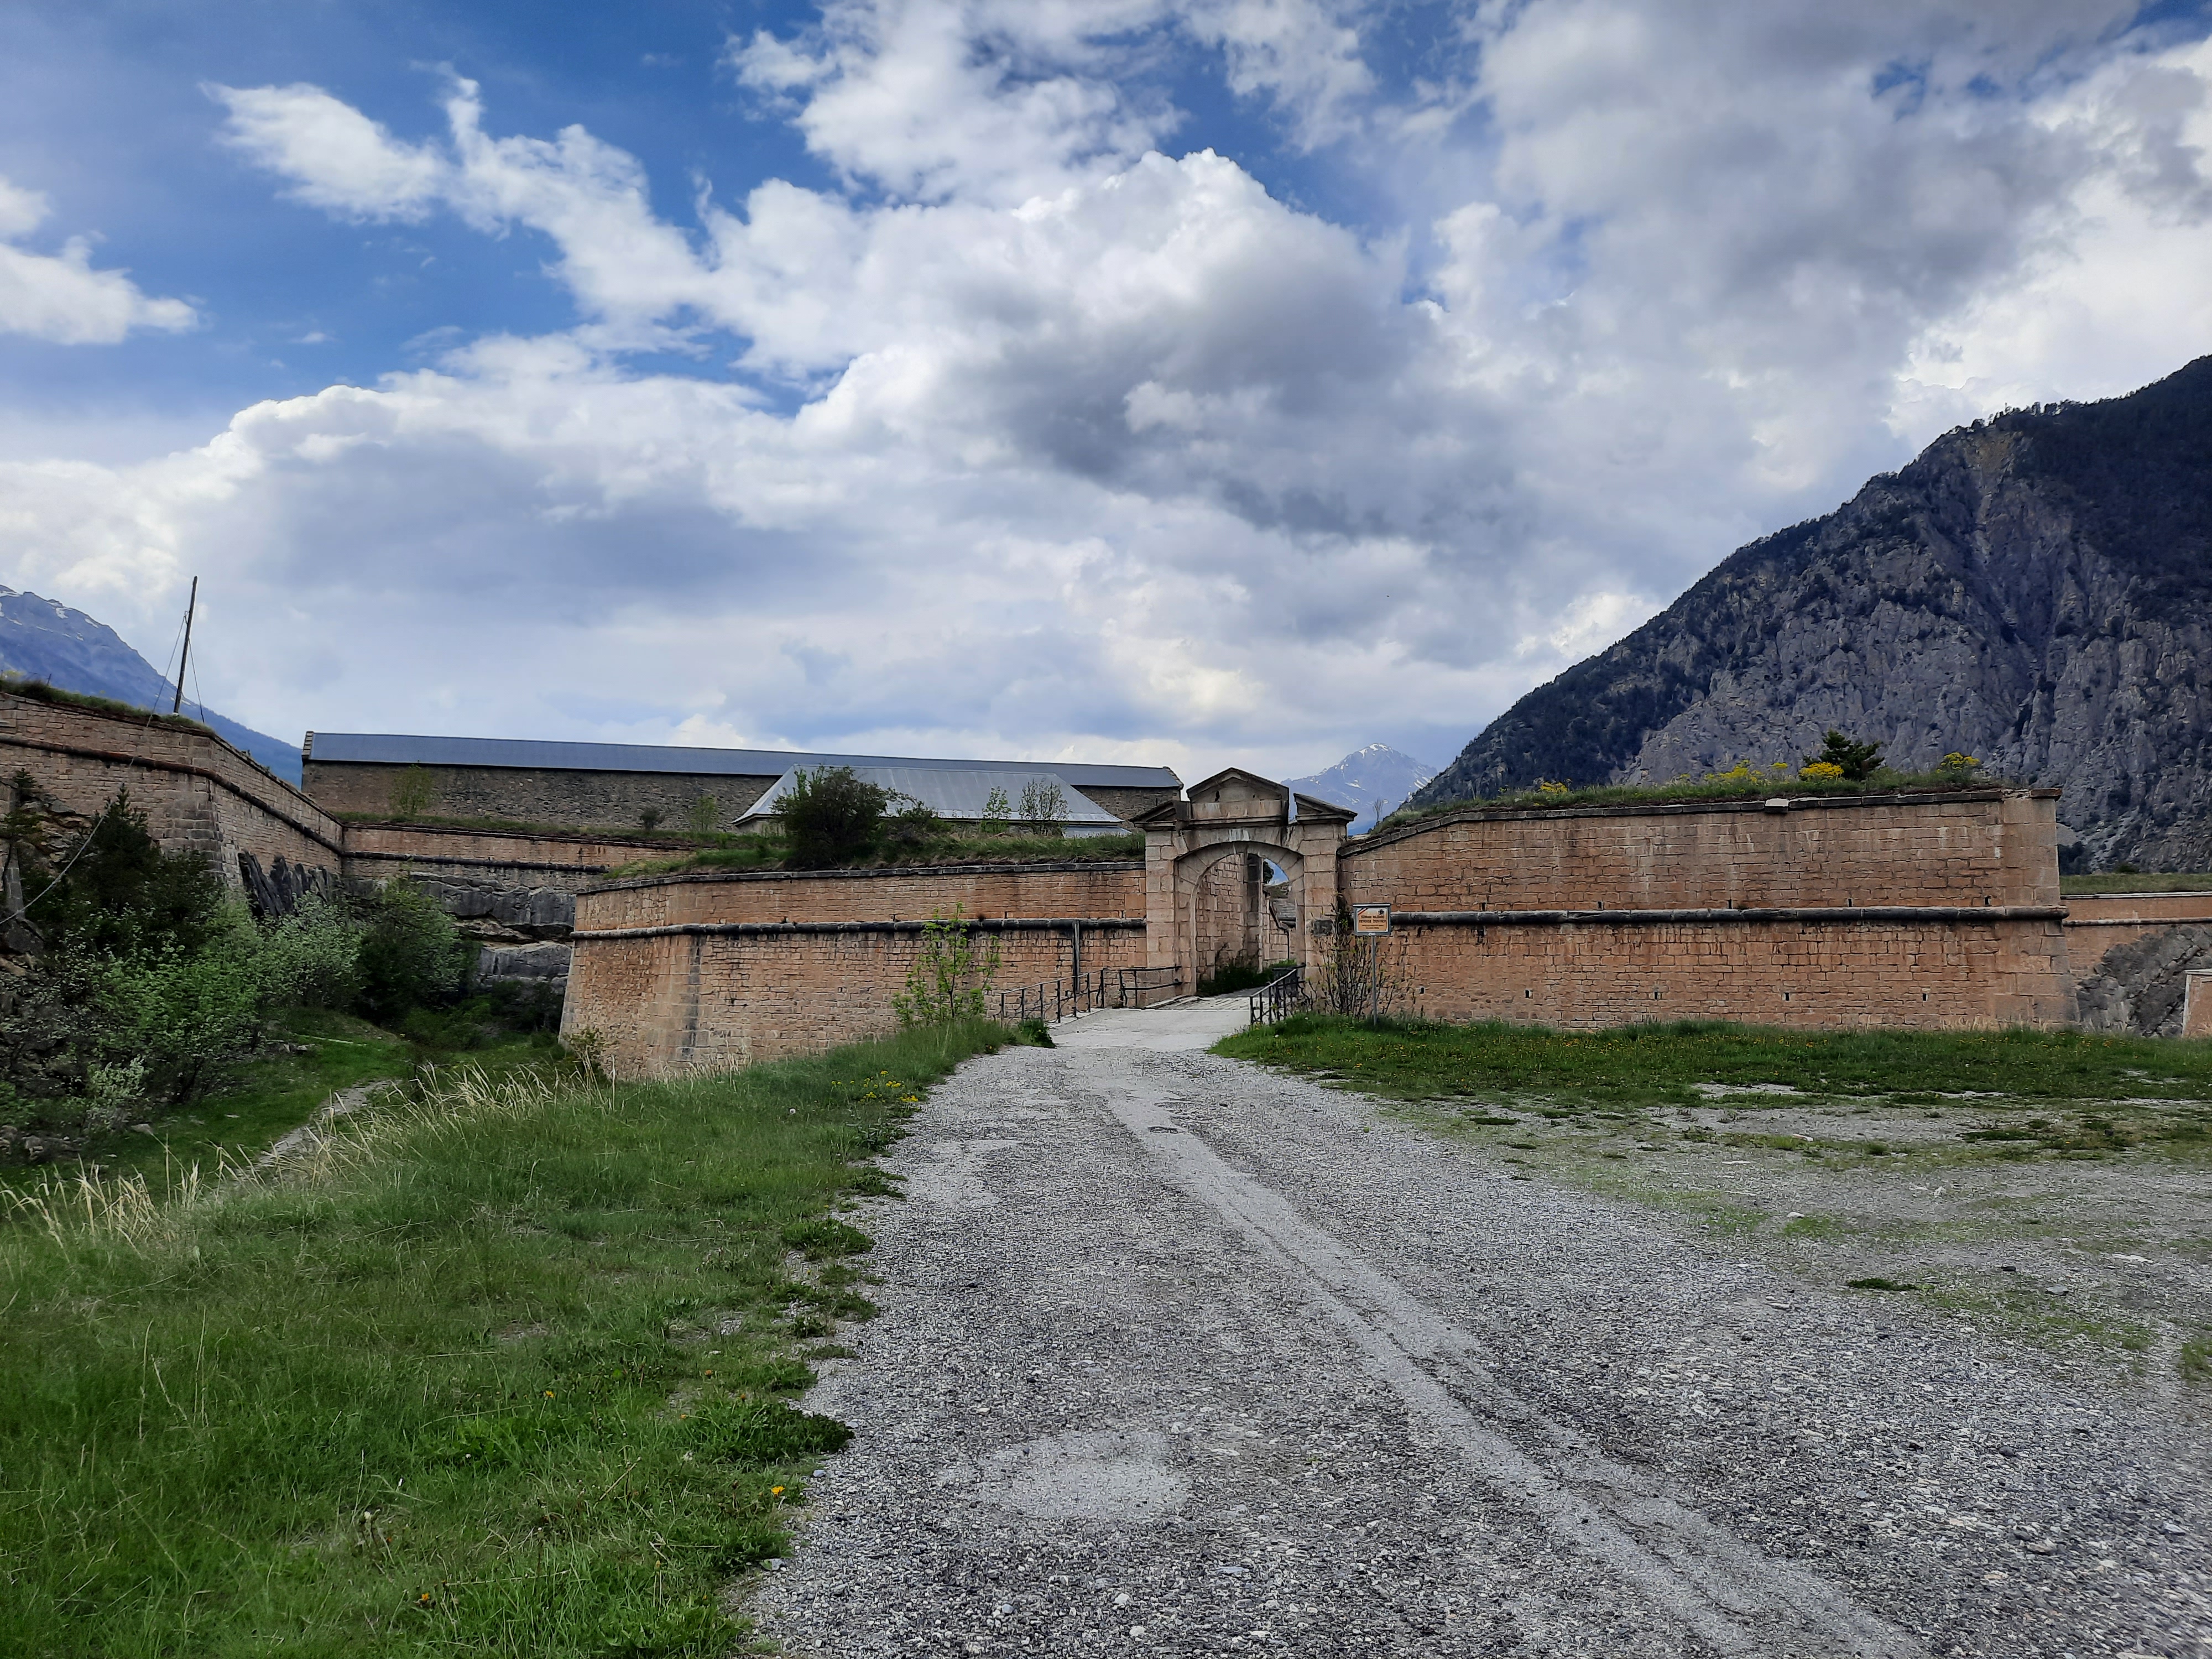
{"x": 1176, "y": 1355}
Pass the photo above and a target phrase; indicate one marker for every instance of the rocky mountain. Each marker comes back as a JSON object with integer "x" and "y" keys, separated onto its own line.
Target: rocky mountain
{"x": 43, "y": 639}
{"x": 1374, "y": 779}
{"x": 2035, "y": 590}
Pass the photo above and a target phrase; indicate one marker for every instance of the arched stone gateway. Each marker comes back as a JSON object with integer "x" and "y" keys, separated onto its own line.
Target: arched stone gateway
{"x": 1205, "y": 856}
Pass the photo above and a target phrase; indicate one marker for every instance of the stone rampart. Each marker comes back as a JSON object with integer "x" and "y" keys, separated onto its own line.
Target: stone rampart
{"x": 490, "y": 857}
{"x": 709, "y": 970}
{"x": 1965, "y": 847}
{"x": 198, "y": 793}
{"x": 1934, "y": 911}
{"x": 1904, "y": 967}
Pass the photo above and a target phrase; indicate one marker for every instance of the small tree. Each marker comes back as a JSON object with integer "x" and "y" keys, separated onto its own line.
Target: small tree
{"x": 412, "y": 792}
{"x": 1044, "y": 803}
{"x": 1855, "y": 761}
{"x": 998, "y": 813}
{"x": 705, "y": 816}
{"x": 913, "y": 829}
{"x": 832, "y": 817}
{"x": 185, "y": 1019}
{"x": 122, "y": 892}
{"x": 949, "y": 978}
{"x": 649, "y": 819}
{"x": 411, "y": 954}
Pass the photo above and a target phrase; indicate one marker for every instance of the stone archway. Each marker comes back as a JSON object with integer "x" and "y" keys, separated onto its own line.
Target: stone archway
{"x": 1234, "y": 815}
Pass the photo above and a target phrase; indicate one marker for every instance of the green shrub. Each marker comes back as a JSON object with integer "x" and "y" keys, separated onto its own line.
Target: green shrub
{"x": 1858, "y": 762}
{"x": 185, "y": 1017}
{"x": 830, "y": 817}
{"x": 412, "y": 955}
{"x": 950, "y": 977}
{"x": 311, "y": 959}
{"x": 116, "y": 891}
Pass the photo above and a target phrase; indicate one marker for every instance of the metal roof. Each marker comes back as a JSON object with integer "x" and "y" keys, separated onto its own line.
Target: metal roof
{"x": 390, "y": 749}
{"x": 956, "y": 793}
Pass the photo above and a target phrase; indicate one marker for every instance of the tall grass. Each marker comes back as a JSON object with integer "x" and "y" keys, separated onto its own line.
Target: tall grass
{"x": 502, "y": 1369}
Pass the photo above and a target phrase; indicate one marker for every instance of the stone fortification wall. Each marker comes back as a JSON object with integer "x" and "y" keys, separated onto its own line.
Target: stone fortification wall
{"x": 708, "y": 971}
{"x": 2098, "y": 923}
{"x": 611, "y": 801}
{"x": 494, "y": 858}
{"x": 198, "y": 793}
{"x": 1928, "y": 911}
{"x": 1972, "y": 846}
{"x": 2132, "y": 954}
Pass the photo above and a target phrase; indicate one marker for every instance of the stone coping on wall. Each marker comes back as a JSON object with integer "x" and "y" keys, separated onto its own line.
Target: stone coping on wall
{"x": 1373, "y": 841}
{"x": 492, "y": 832}
{"x": 330, "y": 839}
{"x": 1837, "y": 914}
{"x": 770, "y": 929}
{"x": 1060, "y": 867}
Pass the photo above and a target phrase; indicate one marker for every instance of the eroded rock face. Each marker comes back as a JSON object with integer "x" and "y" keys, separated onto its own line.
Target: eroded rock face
{"x": 2033, "y": 592}
{"x": 2141, "y": 986}
{"x": 522, "y": 913}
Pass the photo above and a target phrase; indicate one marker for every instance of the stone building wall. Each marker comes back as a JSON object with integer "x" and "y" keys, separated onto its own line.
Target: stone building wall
{"x": 501, "y": 858}
{"x": 704, "y": 971}
{"x": 610, "y": 801}
{"x": 198, "y": 793}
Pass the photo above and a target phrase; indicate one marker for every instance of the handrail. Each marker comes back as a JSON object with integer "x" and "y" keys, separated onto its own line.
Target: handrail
{"x": 1055, "y": 999}
{"x": 1279, "y": 998}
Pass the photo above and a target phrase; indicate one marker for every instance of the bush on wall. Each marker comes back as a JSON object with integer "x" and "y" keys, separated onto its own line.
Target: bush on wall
{"x": 832, "y": 817}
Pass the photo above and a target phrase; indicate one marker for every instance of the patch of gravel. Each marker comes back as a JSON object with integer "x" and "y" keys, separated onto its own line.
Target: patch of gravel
{"x": 1178, "y": 1355}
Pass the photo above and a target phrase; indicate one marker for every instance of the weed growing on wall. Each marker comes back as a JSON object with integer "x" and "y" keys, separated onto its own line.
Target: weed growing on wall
{"x": 1044, "y": 803}
{"x": 950, "y": 978}
{"x": 412, "y": 792}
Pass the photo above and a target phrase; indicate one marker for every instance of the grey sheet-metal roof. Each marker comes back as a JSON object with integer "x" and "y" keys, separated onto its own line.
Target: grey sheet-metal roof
{"x": 391, "y": 749}
{"x": 956, "y": 793}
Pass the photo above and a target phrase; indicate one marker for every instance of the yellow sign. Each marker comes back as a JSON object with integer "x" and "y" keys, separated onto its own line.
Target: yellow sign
{"x": 1369, "y": 919}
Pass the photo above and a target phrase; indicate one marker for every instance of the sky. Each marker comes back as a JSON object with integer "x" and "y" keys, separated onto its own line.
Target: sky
{"x": 1188, "y": 382}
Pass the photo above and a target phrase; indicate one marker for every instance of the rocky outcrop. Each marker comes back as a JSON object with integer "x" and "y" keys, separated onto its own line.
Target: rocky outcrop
{"x": 2032, "y": 591}
{"x": 277, "y": 890}
{"x": 2142, "y": 986}
{"x": 503, "y": 914}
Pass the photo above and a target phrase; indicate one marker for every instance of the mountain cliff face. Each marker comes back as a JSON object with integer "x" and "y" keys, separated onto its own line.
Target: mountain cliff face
{"x": 2035, "y": 590}
{"x": 43, "y": 639}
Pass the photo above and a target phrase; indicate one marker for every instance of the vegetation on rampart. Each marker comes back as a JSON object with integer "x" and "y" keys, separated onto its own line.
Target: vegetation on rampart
{"x": 134, "y": 983}
{"x": 1843, "y": 767}
{"x": 502, "y": 1369}
{"x": 41, "y": 691}
{"x": 2128, "y": 880}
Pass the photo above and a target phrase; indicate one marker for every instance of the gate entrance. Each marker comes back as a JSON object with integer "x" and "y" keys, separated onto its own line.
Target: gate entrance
{"x": 1209, "y": 861}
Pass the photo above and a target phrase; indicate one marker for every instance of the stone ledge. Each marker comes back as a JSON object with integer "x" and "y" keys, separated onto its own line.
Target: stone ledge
{"x": 875, "y": 872}
{"x": 772, "y": 929}
{"x": 1838, "y": 914}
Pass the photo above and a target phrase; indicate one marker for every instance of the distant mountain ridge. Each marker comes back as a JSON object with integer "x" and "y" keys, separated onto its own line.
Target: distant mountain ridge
{"x": 45, "y": 640}
{"x": 1377, "y": 776}
{"x": 2035, "y": 590}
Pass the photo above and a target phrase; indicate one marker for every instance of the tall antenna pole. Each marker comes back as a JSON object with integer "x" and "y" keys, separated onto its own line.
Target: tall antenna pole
{"x": 191, "y": 606}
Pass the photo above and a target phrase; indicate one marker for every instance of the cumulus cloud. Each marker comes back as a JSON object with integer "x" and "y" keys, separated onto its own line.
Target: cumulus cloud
{"x": 60, "y": 296}
{"x": 1038, "y": 436}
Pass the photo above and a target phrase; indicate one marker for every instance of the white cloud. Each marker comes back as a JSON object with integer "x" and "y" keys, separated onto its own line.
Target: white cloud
{"x": 60, "y": 296}
{"x": 1043, "y": 441}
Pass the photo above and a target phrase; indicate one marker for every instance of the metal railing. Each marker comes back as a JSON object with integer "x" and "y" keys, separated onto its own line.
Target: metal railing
{"x": 1279, "y": 998}
{"x": 1060, "y": 999}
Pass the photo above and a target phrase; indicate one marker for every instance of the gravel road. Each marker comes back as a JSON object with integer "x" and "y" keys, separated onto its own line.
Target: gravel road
{"x": 1180, "y": 1355}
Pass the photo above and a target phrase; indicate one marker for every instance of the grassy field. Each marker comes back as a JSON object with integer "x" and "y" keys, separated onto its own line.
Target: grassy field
{"x": 1679, "y": 1063}
{"x": 2135, "y": 882}
{"x": 2053, "y": 1187}
{"x": 503, "y": 1371}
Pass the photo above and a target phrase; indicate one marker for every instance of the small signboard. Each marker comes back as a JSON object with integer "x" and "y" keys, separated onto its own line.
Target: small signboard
{"x": 1370, "y": 920}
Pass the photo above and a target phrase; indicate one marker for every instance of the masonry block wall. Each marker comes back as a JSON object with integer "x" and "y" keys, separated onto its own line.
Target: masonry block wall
{"x": 611, "y": 801}
{"x": 715, "y": 970}
{"x": 608, "y": 801}
{"x": 1932, "y": 911}
{"x": 2097, "y": 923}
{"x": 374, "y": 852}
{"x": 1968, "y": 846}
{"x": 198, "y": 793}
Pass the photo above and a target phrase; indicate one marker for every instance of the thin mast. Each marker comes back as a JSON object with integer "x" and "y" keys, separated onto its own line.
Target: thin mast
{"x": 191, "y": 604}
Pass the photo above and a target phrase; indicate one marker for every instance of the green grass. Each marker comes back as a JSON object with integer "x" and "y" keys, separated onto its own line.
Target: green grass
{"x": 1637, "y": 1066}
{"x": 504, "y": 1372}
{"x": 764, "y": 853}
{"x": 279, "y": 1091}
{"x": 2134, "y": 882}
{"x": 1757, "y": 784}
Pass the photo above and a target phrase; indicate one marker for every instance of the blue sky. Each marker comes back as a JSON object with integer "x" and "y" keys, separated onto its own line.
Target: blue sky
{"x": 1190, "y": 380}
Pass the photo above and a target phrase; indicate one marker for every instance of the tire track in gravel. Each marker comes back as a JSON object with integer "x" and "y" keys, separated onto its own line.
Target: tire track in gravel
{"x": 1731, "y": 1597}
{"x": 1178, "y": 1356}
